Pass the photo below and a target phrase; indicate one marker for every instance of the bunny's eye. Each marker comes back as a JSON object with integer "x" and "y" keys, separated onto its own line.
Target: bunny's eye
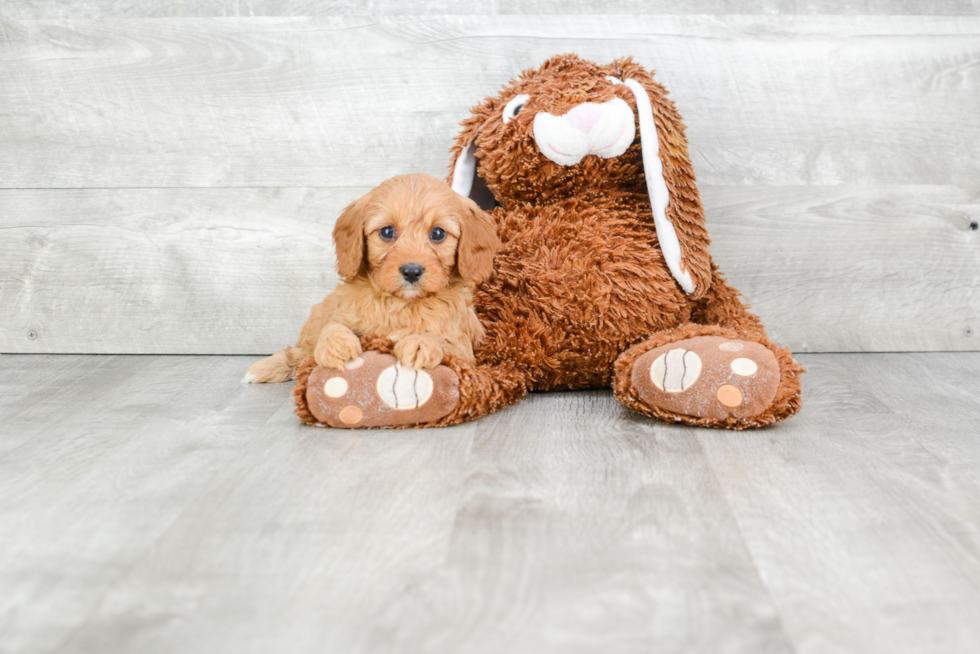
{"x": 514, "y": 107}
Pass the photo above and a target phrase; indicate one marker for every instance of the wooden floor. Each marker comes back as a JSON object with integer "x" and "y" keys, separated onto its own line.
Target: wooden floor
{"x": 155, "y": 504}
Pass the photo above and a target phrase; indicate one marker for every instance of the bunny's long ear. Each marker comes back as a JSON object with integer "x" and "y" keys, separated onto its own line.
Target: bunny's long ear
{"x": 465, "y": 178}
{"x": 678, "y": 217}
{"x": 464, "y": 169}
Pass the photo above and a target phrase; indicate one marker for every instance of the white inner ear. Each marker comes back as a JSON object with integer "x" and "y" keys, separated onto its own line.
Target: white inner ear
{"x": 464, "y": 171}
{"x": 657, "y": 185}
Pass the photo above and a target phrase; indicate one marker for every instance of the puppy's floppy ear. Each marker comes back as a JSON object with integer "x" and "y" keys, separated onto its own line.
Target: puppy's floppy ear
{"x": 478, "y": 243}
{"x": 348, "y": 238}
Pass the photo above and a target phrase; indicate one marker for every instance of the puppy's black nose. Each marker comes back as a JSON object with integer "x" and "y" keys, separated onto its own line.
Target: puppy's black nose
{"x": 411, "y": 272}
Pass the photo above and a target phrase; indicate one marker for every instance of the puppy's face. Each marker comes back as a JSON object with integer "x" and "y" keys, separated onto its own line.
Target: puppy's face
{"x": 411, "y": 235}
{"x": 411, "y": 241}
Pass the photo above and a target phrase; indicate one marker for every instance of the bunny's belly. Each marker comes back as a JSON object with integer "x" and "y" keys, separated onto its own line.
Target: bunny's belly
{"x": 575, "y": 285}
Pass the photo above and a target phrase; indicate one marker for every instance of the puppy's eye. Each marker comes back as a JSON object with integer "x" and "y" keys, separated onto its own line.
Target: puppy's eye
{"x": 514, "y": 107}
{"x": 438, "y": 234}
{"x": 387, "y": 233}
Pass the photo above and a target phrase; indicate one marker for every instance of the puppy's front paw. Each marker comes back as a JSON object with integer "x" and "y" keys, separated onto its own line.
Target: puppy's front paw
{"x": 418, "y": 351}
{"x": 336, "y": 349}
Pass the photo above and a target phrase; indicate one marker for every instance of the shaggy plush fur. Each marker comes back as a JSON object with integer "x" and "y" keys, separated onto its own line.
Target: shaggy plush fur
{"x": 581, "y": 287}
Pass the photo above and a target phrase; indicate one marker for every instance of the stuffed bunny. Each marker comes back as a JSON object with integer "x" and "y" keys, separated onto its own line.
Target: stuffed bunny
{"x": 603, "y": 277}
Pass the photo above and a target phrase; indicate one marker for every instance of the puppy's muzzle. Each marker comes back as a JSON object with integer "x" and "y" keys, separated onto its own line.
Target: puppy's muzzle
{"x": 411, "y": 272}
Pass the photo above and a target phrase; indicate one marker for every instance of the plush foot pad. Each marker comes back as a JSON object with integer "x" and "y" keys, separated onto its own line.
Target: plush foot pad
{"x": 376, "y": 391}
{"x": 708, "y": 377}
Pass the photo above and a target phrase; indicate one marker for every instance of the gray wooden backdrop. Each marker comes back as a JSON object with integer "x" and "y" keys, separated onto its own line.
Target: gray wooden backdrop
{"x": 170, "y": 171}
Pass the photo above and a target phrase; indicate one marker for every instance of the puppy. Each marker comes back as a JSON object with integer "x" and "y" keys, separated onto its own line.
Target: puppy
{"x": 410, "y": 253}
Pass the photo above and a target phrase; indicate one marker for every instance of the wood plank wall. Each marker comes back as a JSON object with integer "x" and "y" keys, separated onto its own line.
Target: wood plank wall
{"x": 170, "y": 171}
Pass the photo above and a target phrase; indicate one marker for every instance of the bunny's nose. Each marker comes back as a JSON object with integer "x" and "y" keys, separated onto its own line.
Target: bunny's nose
{"x": 411, "y": 272}
{"x": 584, "y": 116}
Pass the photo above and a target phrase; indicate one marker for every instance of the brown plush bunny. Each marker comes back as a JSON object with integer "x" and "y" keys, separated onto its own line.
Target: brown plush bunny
{"x": 604, "y": 276}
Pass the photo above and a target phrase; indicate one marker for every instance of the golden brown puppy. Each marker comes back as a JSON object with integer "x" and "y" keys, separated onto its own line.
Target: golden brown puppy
{"x": 410, "y": 253}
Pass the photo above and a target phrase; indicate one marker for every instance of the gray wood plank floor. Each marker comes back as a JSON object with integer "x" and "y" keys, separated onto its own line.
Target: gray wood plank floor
{"x": 155, "y": 504}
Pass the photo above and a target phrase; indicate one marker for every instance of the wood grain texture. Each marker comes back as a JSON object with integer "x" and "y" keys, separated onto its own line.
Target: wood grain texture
{"x": 628, "y": 526}
{"x": 873, "y": 495}
{"x": 164, "y": 270}
{"x": 235, "y": 271}
{"x": 351, "y": 100}
{"x": 170, "y": 183}
{"x": 852, "y": 269}
{"x": 155, "y": 504}
{"x": 44, "y": 9}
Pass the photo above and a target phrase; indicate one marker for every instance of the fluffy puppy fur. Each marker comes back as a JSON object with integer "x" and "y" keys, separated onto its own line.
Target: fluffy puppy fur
{"x": 410, "y": 253}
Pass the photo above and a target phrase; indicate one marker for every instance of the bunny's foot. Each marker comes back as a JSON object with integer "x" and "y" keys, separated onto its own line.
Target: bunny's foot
{"x": 374, "y": 390}
{"x": 718, "y": 378}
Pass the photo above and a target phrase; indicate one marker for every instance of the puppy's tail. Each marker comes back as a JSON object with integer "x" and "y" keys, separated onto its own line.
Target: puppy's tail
{"x": 280, "y": 367}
